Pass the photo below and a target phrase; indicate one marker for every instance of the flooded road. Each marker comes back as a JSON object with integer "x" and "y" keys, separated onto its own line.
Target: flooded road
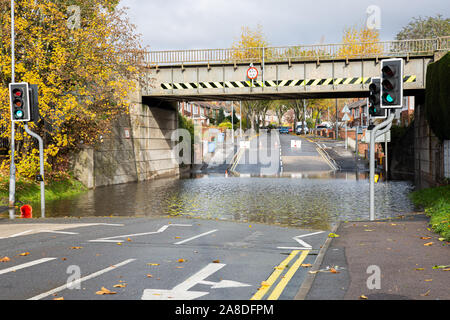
{"x": 300, "y": 201}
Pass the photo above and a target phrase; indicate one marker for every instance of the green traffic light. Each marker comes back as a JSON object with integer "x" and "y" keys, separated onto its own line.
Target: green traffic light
{"x": 18, "y": 114}
{"x": 389, "y": 98}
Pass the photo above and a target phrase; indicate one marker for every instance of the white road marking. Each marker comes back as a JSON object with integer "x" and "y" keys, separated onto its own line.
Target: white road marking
{"x": 305, "y": 245}
{"x": 74, "y": 283}
{"x": 195, "y": 237}
{"x": 181, "y": 291}
{"x": 19, "y": 234}
{"x": 26, "y": 265}
{"x": 116, "y": 240}
{"x": 60, "y": 232}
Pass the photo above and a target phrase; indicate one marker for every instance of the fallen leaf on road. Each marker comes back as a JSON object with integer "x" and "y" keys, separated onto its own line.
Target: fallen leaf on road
{"x": 129, "y": 240}
{"x": 103, "y": 291}
{"x": 306, "y": 265}
{"x": 313, "y": 272}
{"x": 149, "y": 276}
{"x": 120, "y": 285}
{"x": 76, "y": 248}
{"x": 24, "y": 254}
{"x": 216, "y": 261}
{"x": 333, "y": 235}
{"x": 177, "y": 237}
{"x": 428, "y": 280}
{"x": 420, "y": 269}
{"x": 441, "y": 267}
{"x": 181, "y": 260}
{"x": 363, "y": 297}
{"x": 441, "y": 239}
{"x": 119, "y": 243}
{"x": 426, "y": 293}
{"x": 446, "y": 269}
{"x": 153, "y": 264}
{"x": 333, "y": 270}
{"x": 60, "y": 298}
{"x": 428, "y": 244}
{"x": 5, "y": 259}
{"x": 265, "y": 284}
{"x": 368, "y": 230}
{"x": 425, "y": 238}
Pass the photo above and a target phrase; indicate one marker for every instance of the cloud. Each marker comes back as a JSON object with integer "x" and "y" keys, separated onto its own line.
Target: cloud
{"x": 189, "y": 24}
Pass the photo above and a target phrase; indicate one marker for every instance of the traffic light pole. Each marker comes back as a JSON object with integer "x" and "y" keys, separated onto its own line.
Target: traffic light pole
{"x": 41, "y": 165}
{"x": 12, "y": 166}
{"x": 377, "y": 131}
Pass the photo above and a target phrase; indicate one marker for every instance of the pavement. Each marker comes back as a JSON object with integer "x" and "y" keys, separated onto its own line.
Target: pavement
{"x": 384, "y": 260}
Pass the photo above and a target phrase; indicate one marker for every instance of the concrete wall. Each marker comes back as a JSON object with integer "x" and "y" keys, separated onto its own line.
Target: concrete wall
{"x": 137, "y": 149}
{"x": 429, "y": 151}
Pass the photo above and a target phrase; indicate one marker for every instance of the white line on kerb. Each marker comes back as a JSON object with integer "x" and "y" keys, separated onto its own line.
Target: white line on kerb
{"x": 195, "y": 237}
{"x": 74, "y": 283}
{"x": 26, "y": 265}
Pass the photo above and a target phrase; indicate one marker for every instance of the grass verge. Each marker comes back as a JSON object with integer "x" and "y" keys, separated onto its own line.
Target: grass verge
{"x": 30, "y": 192}
{"x": 436, "y": 202}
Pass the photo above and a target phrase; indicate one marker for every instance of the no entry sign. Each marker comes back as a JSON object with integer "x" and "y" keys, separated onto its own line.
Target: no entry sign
{"x": 252, "y": 73}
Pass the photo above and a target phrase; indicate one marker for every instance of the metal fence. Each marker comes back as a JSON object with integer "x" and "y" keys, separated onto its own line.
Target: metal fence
{"x": 395, "y": 48}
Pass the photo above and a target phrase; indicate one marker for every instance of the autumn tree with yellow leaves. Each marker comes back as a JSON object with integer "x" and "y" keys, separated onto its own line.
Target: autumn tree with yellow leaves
{"x": 77, "y": 52}
{"x": 360, "y": 42}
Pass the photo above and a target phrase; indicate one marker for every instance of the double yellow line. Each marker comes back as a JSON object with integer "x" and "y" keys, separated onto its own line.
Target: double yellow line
{"x": 267, "y": 285}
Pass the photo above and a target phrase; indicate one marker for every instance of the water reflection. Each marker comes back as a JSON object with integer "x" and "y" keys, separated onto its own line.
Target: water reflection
{"x": 313, "y": 202}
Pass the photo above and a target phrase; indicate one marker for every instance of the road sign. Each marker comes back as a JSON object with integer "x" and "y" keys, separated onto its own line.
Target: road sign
{"x": 383, "y": 138}
{"x": 181, "y": 291}
{"x": 245, "y": 144}
{"x": 252, "y": 73}
{"x": 346, "y": 117}
{"x": 296, "y": 143}
{"x": 346, "y": 109}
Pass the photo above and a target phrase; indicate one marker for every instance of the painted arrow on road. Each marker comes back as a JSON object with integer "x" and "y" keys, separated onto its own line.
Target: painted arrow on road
{"x": 305, "y": 245}
{"x": 181, "y": 291}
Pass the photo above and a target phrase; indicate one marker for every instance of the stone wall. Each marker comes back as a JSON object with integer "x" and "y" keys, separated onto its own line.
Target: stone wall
{"x": 428, "y": 151}
{"x": 138, "y": 148}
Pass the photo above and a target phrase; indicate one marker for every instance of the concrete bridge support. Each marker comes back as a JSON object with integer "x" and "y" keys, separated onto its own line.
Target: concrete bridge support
{"x": 137, "y": 149}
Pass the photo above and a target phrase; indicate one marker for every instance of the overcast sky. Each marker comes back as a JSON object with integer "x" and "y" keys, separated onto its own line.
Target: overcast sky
{"x": 189, "y": 24}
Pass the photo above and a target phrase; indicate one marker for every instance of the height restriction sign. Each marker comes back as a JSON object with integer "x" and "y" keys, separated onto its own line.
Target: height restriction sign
{"x": 252, "y": 73}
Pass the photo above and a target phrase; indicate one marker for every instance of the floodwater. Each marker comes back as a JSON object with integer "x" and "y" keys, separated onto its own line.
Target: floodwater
{"x": 301, "y": 201}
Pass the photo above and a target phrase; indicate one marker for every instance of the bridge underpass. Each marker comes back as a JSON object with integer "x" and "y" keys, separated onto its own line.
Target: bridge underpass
{"x": 139, "y": 147}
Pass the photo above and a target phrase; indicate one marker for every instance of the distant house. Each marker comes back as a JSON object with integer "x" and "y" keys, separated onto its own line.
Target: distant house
{"x": 199, "y": 112}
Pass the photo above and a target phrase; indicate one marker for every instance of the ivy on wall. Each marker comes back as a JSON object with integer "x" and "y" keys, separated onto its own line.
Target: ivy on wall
{"x": 437, "y": 97}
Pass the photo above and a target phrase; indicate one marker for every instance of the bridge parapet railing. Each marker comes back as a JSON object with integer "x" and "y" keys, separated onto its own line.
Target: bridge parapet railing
{"x": 395, "y": 48}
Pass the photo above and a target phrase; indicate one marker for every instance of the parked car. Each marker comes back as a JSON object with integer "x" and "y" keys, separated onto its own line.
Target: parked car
{"x": 284, "y": 130}
{"x": 299, "y": 129}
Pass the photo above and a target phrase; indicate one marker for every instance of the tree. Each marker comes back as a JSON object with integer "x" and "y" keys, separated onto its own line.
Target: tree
{"x": 80, "y": 59}
{"x": 248, "y": 45}
{"x": 425, "y": 28}
{"x": 360, "y": 42}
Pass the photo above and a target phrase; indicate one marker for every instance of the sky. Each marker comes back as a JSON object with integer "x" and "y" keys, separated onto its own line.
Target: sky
{"x": 204, "y": 24}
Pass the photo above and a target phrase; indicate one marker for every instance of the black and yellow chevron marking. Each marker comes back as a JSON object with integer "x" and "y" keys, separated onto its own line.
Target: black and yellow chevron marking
{"x": 273, "y": 83}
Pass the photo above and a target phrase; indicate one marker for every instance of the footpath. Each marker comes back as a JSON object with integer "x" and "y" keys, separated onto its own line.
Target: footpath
{"x": 393, "y": 259}
{"x": 411, "y": 261}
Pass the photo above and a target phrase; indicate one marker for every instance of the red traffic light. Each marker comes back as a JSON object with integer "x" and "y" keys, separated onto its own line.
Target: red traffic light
{"x": 17, "y": 93}
{"x": 388, "y": 71}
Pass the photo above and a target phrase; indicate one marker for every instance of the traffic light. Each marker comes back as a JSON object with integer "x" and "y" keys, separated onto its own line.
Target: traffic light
{"x": 34, "y": 103}
{"x": 391, "y": 83}
{"x": 375, "y": 110}
{"x": 20, "y": 102}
